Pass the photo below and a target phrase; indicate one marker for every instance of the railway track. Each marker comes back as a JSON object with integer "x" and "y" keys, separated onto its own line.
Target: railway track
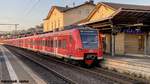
{"x": 99, "y": 74}
{"x": 67, "y": 80}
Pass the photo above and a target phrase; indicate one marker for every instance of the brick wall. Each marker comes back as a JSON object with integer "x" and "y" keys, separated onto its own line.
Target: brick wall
{"x": 148, "y": 45}
{"x": 119, "y": 47}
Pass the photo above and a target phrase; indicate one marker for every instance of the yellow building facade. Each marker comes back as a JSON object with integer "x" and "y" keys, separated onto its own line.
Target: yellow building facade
{"x": 54, "y": 19}
{"x": 58, "y": 17}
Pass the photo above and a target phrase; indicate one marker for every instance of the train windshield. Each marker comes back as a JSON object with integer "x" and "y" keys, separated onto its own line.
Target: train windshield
{"x": 89, "y": 39}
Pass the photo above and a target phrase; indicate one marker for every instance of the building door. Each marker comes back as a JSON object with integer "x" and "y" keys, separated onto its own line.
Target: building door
{"x": 134, "y": 44}
{"x": 107, "y": 43}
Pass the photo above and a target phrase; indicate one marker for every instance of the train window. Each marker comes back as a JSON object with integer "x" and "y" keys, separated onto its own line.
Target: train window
{"x": 55, "y": 44}
{"x": 31, "y": 42}
{"x": 42, "y": 42}
{"x": 59, "y": 43}
{"x": 38, "y": 42}
{"x": 89, "y": 39}
{"x": 64, "y": 44}
{"x": 46, "y": 43}
{"x": 51, "y": 43}
{"x": 35, "y": 42}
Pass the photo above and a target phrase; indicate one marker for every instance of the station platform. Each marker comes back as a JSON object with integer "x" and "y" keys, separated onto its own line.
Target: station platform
{"x": 133, "y": 65}
{"x": 14, "y": 71}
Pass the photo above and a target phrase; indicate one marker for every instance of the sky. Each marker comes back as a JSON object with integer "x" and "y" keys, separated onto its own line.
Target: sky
{"x": 29, "y": 13}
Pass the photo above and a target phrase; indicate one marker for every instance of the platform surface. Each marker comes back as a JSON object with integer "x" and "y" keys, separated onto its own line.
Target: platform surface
{"x": 14, "y": 71}
{"x": 139, "y": 66}
{"x": 145, "y": 60}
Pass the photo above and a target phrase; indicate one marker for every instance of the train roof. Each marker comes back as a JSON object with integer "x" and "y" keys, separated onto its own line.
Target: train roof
{"x": 67, "y": 30}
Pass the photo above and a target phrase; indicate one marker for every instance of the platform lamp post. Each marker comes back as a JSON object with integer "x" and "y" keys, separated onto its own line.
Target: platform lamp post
{"x": 16, "y": 26}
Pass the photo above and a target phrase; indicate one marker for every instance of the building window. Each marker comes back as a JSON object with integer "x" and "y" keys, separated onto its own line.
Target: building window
{"x": 47, "y": 24}
{"x": 79, "y": 11}
{"x": 87, "y": 11}
{"x": 141, "y": 42}
{"x": 58, "y": 23}
{"x": 52, "y": 25}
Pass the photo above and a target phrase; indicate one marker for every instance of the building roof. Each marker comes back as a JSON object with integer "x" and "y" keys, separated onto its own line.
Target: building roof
{"x": 126, "y": 6}
{"x": 64, "y": 9}
{"x": 61, "y": 9}
{"x": 80, "y": 6}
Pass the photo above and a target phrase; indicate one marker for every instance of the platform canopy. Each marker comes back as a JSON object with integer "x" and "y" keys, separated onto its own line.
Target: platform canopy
{"x": 131, "y": 16}
{"x": 124, "y": 15}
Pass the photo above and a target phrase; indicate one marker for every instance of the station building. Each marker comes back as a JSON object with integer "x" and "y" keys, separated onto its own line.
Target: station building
{"x": 125, "y": 27}
{"x": 58, "y": 17}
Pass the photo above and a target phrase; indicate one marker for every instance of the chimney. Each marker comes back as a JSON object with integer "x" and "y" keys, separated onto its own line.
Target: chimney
{"x": 73, "y": 4}
{"x": 91, "y": 1}
{"x": 67, "y": 6}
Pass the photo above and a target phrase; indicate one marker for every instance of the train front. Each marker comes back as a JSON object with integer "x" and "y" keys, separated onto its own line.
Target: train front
{"x": 90, "y": 48}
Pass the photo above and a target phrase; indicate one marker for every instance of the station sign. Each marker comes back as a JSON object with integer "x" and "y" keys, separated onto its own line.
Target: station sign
{"x": 133, "y": 31}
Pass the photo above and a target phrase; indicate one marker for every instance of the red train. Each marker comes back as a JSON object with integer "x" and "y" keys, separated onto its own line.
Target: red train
{"x": 78, "y": 44}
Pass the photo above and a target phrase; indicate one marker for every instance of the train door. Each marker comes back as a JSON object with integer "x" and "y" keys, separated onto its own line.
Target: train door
{"x": 43, "y": 43}
{"x": 33, "y": 43}
{"x": 46, "y": 43}
{"x": 71, "y": 46}
{"x": 55, "y": 41}
{"x": 62, "y": 44}
{"x": 40, "y": 43}
{"x": 27, "y": 43}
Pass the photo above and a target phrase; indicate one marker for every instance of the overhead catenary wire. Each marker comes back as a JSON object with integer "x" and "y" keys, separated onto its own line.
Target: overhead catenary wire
{"x": 32, "y": 7}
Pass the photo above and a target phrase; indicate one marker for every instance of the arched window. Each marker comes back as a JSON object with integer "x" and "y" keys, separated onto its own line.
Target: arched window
{"x": 58, "y": 23}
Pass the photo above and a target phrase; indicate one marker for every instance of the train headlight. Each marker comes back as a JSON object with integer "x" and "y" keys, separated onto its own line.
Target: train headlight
{"x": 90, "y": 56}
